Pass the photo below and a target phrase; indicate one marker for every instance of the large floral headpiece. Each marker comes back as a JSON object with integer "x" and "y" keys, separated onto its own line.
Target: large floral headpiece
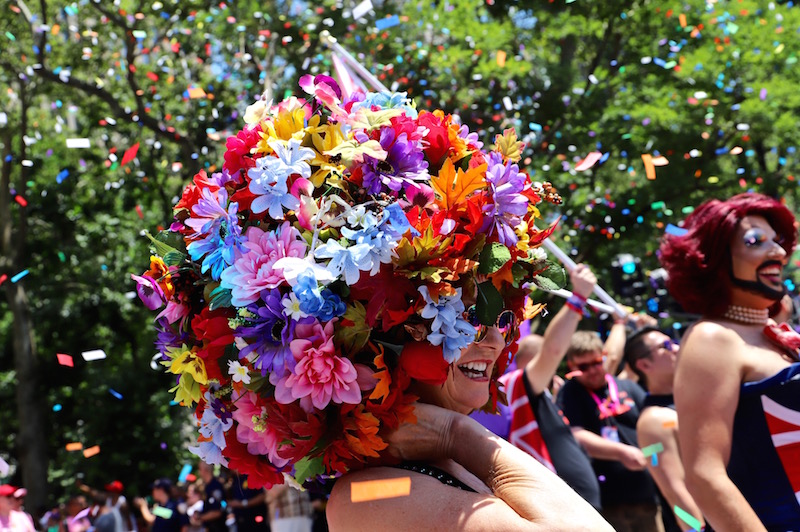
{"x": 289, "y": 274}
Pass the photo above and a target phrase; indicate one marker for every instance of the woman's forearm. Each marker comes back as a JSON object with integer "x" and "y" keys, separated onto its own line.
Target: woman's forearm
{"x": 723, "y": 505}
{"x": 530, "y": 489}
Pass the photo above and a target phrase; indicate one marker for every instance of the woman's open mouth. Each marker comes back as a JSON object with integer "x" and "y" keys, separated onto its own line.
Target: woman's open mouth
{"x": 772, "y": 273}
{"x": 476, "y": 371}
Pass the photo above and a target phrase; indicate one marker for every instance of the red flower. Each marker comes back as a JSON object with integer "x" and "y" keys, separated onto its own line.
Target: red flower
{"x": 437, "y": 137}
{"x": 260, "y": 472}
{"x": 211, "y": 328}
{"x": 424, "y": 362}
{"x": 237, "y": 156}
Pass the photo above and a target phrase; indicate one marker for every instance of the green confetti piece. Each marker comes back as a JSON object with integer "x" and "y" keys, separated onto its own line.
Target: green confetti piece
{"x": 687, "y": 210}
{"x": 650, "y": 450}
{"x": 62, "y": 257}
{"x": 687, "y": 518}
{"x": 626, "y": 136}
{"x": 657, "y": 205}
{"x": 140, "y": 34}
{"x": 10, "y": 36}
{"x": 669, "y": 65}
{"x": 165, "y": 513}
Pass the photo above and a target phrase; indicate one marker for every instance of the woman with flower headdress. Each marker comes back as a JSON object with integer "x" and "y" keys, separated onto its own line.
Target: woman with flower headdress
{"x": 342, "y": 291}
{"x": 737, "y": 385}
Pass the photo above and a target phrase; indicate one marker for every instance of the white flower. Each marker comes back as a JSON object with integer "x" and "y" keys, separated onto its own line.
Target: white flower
{"x": 291, "y": 307}
{"x": 238, "y": 372}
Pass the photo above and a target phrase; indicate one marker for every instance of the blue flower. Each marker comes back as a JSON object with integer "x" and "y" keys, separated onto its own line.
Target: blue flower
{"x": 380, "y": 244}
{"x": 388, "y": 100}
{"x": 219, "y": 231}
{"x": 269, "y": 178}
{"x": 213, "y": 430}
{"x": 449, "y": 328}
{"x": 332, "y": 306}
{"x": 395, "y": 218}
{"x": 307, "y": 291}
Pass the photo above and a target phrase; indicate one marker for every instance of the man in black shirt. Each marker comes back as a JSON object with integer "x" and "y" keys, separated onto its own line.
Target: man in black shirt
{"x": 165, "y": 515}
{"x": 213, "y": 516}
{"x": 603, "y": 412}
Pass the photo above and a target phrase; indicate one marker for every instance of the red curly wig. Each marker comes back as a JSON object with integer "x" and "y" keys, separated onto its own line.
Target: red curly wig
{"x": 699, "y": 261}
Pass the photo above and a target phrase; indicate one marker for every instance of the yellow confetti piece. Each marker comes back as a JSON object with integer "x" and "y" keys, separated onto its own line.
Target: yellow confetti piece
{"x": 713, "y": 179}
{"x": 373, "y": 490}
{"x": 501, "y": 58}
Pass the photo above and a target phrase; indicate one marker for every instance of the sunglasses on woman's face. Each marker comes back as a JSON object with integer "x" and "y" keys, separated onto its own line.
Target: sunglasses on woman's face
{"x": 586, "y": 366}
{"x": 506, "y": 323}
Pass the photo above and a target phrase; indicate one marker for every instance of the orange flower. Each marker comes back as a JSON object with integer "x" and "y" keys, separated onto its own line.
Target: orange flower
{"x": 160, "y": 272}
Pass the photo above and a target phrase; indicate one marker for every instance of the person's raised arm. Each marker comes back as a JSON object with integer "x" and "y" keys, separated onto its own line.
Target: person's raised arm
{"x": 614, "y": 346}
{"x": 709, "y": 359}
{"x": 524, "y": 494}
{"x": 557, "y": 336}
{"x": 658, "y": 425}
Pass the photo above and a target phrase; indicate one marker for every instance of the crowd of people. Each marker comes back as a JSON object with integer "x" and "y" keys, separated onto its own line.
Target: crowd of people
{"x": 206, "y": 502}
{"x": 641, "y": 434}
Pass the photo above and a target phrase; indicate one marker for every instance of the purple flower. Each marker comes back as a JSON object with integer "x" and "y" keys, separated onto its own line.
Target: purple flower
{"x": 149, "y": 291}
{"x": 506, "y": 184}
{"x": 404, "y": 165}
{"x": 268, "y": 332}
{"x": 168, "y": 338}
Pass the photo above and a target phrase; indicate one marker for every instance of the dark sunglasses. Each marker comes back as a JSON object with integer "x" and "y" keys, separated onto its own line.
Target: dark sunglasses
{"x": 506, "y": 323}
{"x": 586, "y": 366}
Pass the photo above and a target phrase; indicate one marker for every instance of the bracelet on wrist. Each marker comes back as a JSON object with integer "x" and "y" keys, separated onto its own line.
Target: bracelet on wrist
{"x": 577, "y": 295}
{"x": 575, "y": 308}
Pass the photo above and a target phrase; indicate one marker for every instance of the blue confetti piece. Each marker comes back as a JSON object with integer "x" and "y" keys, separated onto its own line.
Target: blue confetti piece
{"x": 19, "y": 276}
{"x": 654, "y": 460}
{"x": 187, "y": 468}
{"x": 62, "y": 175}
{"x": 721, "y": 151}
{"x": 385, "y": 23}
{"x": 675, "y": 230}
{"x": 115, "y": 393}
{"x": 56, "y": 408}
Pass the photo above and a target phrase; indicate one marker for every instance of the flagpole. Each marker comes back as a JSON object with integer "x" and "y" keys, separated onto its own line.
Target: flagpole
{"x": 330, "y": 41}
{"x": 602, "y": 307}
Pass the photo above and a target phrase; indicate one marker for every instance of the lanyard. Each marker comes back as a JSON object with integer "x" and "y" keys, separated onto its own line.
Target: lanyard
{"x": 611, "y": 407}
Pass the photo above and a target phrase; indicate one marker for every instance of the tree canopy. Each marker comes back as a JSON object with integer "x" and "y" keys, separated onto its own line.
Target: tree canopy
{"x": 636, "y": 111}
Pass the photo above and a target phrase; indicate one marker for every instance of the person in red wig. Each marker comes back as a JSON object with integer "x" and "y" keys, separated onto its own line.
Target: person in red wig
{"x": 737, "y": 385}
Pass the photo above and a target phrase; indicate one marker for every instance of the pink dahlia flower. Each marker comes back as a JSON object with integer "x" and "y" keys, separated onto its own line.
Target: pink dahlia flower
{"x": 253, "y": 271}
{"x": 253, "y": 429}
{"x": 319, "y": 374}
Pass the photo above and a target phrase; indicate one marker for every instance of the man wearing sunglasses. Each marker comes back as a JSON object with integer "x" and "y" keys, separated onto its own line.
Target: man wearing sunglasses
{"x": 603, "y": 412}
{"x": 652, "y": 355}
{"x": 536, "y": 425}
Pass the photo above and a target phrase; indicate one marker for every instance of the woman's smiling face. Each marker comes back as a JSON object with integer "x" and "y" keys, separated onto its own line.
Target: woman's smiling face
{"x": 757, "y": 261}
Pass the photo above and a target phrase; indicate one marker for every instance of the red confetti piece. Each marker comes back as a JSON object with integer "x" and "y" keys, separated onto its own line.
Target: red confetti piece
{"x": 65, "y": 360}
{"x": 22, "y": 201}
{"x": 130, "y": 154}
{"x": 153, "y": 76}
{"x": 139, "y": 212}
{"x": 3, "y": 278}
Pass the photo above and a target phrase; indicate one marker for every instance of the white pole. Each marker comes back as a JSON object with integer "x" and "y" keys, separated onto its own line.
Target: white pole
{"x": 569, "y": 264}
{"x": 560, "y": 292}
{"x": 331, "y": 43}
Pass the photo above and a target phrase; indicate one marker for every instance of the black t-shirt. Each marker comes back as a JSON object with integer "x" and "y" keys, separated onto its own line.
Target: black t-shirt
{"x": 175, "y": 522}
{"x": 618, "y": 485}
{"x": 215, "y": 496}
{"x": 568, "y": 457}
{"x": 247, "y": 517}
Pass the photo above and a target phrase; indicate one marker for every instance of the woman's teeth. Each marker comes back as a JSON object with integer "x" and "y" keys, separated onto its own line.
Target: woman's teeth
{"x": 474, "y": 370}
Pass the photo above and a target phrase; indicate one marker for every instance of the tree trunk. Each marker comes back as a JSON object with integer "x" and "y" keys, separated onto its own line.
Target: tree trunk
{"x": 31, "y": 444}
